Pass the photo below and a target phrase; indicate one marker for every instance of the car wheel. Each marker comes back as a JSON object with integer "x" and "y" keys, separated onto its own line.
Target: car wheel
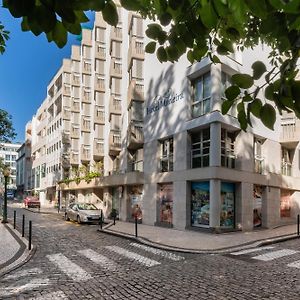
{"x": 78, "y": 220}
{"x": 67, "y": 218}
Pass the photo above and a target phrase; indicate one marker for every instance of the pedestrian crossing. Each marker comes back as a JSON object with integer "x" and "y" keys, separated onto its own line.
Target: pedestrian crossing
{"x": 71, "y": 266}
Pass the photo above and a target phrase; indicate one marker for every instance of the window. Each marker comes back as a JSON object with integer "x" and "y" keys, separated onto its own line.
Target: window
{"x": 166, "y": 159}
{"x": 7, "y": 157}
{"x": 258, "y": 158}
{"x": 200, "y": 148}
{"x": 227, "y": 149}
{"x": 225, "y": 83}
{"x": 201, "y": 96}
{"x": 286, "y": 161}
{"x": 137, "y": 111}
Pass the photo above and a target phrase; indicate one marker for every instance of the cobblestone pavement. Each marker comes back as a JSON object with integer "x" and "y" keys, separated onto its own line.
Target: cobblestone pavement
{"x": 77, "y": 262}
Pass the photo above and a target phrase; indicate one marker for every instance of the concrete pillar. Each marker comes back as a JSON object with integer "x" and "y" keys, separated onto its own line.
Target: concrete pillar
{"x": 182, "y": 195}
{"x": 215, "y": 145}
{"x": 150, "y": 203}
{"x": 244, "y": 206}
{"x": 181, "y": 151}
{"x": 215, "y": 73}
{"x": 271, "y": 207}
{"x": 244, "y": 151}
{"x": 107, "y": 201}
{"x": 123, "y": 204}
{"x": 214, "y": 203}
{"x": 151, "y": 157}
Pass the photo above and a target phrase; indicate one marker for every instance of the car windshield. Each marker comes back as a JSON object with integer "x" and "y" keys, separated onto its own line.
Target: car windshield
{"x": 86, "y": 206}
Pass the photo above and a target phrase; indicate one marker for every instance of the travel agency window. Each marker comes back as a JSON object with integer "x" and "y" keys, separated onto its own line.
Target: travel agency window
{"x": 166, "y": 159}
{"x": 200, "y": 148}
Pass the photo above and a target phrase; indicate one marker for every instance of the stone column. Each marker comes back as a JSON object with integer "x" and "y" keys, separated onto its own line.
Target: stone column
{"x": 150, "y": 203}
{"x": 214, "y": 203}
{"x": 181, "y": 151}
{"x": 123, "y": 204}
{"x": 271, "y": 207}
{"x": 215, "y": 73}
{"x": 215, "y": 145}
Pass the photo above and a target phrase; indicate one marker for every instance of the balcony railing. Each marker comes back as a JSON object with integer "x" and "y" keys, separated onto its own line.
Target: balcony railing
{"x": 75, "y": 132}
{"x": 85, "y": 153}
{"x": 75, "y": 107}
{"x": 116, "y": 34}
{"x": 114, "y": 141}
{"x": 290, "y": 132}
{"x": 98, "y": 147}
{"x": 136, "y": 50}
{"x": 115, "y": 68}
{"x": 100, "y": 84}
{"x": 286, "y": 168}
{"x": 100, "y": 51}
{"x": 86, "y": 125}
{"x": 135, "y": 92}
{"x": 66, "y": 114}
{"x": 135, "y": 135}
{"x": 136, "y": 166}
{"x": 259, "y": 164}
{"x": 166, "y": 163}
{"x": 74, "y": 158}
{"x": 99, "y": 116}
{"x": 115, "y": 106}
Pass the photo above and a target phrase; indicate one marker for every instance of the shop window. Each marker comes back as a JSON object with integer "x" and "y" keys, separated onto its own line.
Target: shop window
{"x": 201, "y": 95}
{"x": 257, "y": 205}
{"x": 200, "y": 148}
{"x": 286, "y": 161}
{"x": 166, "y": 204}
{"x": 227, "y": 205}
{"x": 227, "y": 149}
{"x": 166, "y": 159}
{"x": 259, "y": 161}
{"x": 285, "y": 204}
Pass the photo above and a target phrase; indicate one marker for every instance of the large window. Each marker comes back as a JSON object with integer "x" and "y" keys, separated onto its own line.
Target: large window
{"x": 258, "y": 157}
{"x": 200, "y": 148}
{"x": 286, "y": 161}
{"x": 227, "y": 149}
{"x": 166, "y": 159}
{"x": 201, "y": 95}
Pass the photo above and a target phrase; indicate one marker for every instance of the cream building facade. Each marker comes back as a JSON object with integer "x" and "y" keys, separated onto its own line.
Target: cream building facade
{"x": 123, "y": 131}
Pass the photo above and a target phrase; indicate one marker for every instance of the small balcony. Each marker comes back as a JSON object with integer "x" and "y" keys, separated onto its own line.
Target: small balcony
{"x": 87, "y": 68}
{"x": 259, "y": 164}
{"x": 85, "y": 125}
{"x": 86, "y": 97}
{"x": 74, "y": 158}
{"x": 114, "y": 142}
{"x": 135, "y": 92}
{"x": 290, "y": 134}
{"x": 100, "y": 51}
{"x": 136, "y": 166}
{"x": 116, "y": 34}
{"x": 114, "y": 106}
{"x": 66, "y": 113}
{"x": 99, "y": 117}
{"x": 66, "y": 137}
{"x": 75, "y": 106}
{"x": 115, "y": 68}
{"x": 85, "y": 153}
{"x": 286, "y": 168}
{"x": 98, "y": 148}
{"x": 67, "y": 90}
{"x": 136, "y": 51}
{"x": 76, "y": 80}
{"x": 75, "y": 133}
{"x": 135, "y": 136}
{"x": 100, "y": 84}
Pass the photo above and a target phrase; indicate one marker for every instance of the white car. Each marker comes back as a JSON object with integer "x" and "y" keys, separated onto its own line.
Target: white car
{"x": 83, "y": 213}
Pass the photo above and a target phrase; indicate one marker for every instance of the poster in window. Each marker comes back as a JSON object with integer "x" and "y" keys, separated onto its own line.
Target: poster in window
{"x": 285, "y": 204}
{"x": 136, "y": 202}
{"x": 257, "y": 205}
{"x": 200, "y": 204}
{"x": 166, "y": 203}
{"x": 227, "y": 205}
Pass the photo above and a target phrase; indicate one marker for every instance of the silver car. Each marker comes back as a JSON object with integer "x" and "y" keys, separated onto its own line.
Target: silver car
{"x": 83, "y": 213}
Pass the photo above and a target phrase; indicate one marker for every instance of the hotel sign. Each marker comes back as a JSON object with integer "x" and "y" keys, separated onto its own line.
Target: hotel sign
{"x": 162, "y": 101}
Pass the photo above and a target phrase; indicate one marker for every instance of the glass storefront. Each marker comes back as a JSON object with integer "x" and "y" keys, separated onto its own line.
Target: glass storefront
{"x": 166, "y": 203}
{"x": 227, "y": 205}
{"x": 136, "y": 202}
{"x": 285, "y": 204}
{"x": 200, "y": 204}
{"x": 257, "y": 205}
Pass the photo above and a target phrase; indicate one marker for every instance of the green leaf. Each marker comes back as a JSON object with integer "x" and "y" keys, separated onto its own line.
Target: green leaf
{"x": 242, "y": 118}
{"x": 190, "y": 56}
{"x": 150, "y": 47}
{"x": 232, "y": 92}
{"x": 244, "y": 81}
{"x": 110, "y": 14}
{"x": 74, "y": 28}
{"x": 215, "y": 59}
{"x": 208, "y": 16}
{"x": 133, "y": 5}
{"x": 247, "y": 98}
{"x": 59, "y": 35}
{"x": 222, "y": 50}
{"x": 269, "y": 92}
{"x": 161, "y": 54}
{"x": 258, "y": 8}
{"x": 255, "y": 107}
{"x": 24, "y": 24}
{"x": 226, "y": 105}
{"x": 259, "y": 69}
{"x": 172, "y": 53}
{"x": 268, "y": 116}
{"x": 165, "y": 19}
{"x": 175, "y": 4}
{"x": 153, "y": 31}
{"x": 296, "y": 90}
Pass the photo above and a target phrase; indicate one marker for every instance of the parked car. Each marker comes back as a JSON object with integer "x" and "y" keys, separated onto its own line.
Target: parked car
{"x": 31, "y": 202}
{"x": 83, "y": 213}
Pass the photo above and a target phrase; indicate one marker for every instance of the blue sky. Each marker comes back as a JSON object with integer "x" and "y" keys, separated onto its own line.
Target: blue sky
{"x": 26, "y": 68}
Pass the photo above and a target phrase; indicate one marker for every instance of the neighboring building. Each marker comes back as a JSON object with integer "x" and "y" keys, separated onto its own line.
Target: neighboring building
{"x": 157, "y": 132}
{"x": 9, "y": 154}
{"x": 24, "y": 165}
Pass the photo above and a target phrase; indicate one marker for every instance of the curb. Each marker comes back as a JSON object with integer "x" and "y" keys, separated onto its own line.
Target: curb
{"x": 23, "y": 257}
{"x": 225, "y": 250}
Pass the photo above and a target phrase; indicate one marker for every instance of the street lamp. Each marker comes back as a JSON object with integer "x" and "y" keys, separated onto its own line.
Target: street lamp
{"x": 6, "y": 173}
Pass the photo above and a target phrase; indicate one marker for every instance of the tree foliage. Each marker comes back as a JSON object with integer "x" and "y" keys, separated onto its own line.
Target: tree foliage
{"x": 198, "y": 28}
{"x": 7, "y": 132}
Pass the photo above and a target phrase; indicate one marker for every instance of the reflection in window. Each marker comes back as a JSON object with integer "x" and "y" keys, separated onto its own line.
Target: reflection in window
{"x": 166, "y": 159}
{"x": 227, "y": 149}
{"x": 200, "y": 148}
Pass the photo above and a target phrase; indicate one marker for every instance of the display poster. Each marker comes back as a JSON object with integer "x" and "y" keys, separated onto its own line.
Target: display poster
{"x": 135, "y": 196}
{"x": 166, "y": 203}
{"x": 285, "y": 204}
{"x": 227, "y": 205}
{"x": 200, "y": 204}
{"x": 257, "y": 205}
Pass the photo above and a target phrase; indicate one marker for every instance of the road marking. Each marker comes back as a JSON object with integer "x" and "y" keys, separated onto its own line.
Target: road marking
{"x": 68, "y": 267}
{"x": 251, "y": 250}
{"x": 51, "y": 296}
{"x": 99, "y": 259}
{"x": 32, "y": 284}
{"x": 275, "y": 254}
{"x": 134, "y": 256}
{"x": 162, "y": 253}
{"x": 295, "y": 264}
{"x": 26, "y": 272}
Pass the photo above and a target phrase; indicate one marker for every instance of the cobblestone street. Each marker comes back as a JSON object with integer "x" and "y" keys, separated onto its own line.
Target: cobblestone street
{"x": 77, "y": 262}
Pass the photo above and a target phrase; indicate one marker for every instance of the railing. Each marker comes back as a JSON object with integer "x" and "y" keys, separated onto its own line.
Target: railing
{"x": 100, "y": 84}
{"x": 86, "y": 125}
{"x": 98, "y": 147}
{"x": 136, "y": 166}
{"x": 85, "y": 153}
{"x": 286, "y": 168}
{"x": 136, "y": 132}
{"x": 259, "y": 164}
{"x": 99, "y": 116}
{"x": 166, "y": 163}
{"x": 74, "y": 158}
{"x": 75, "y": 132}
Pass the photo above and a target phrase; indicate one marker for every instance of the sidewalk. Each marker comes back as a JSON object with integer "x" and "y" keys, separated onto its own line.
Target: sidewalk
{"x": 201, "y": 242}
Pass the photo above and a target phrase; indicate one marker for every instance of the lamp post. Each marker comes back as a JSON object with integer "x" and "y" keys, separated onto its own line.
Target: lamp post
{"x": 6, "y": 173}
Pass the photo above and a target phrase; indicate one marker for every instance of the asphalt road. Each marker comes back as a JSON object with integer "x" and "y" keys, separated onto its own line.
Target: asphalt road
{"x": 77, "y": 262}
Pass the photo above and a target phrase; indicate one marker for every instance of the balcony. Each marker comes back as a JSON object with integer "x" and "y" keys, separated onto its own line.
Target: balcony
{"x": 98, "y": 148}
{"x": 100, "y": 52}
{"x": 135, "y": 136}
{"x": 66, "y": 114}
{"x": 114, "y": 142}
{"x": 87, "y": 68}
{"x": 100, "y": 84}
{"x": 74, "y": 158}
{"x": 85, "y": 125}
{"x": 76, "y": 80}
{"x": 115, "y": 106}
{"x": 116, "y": 34}
{"x": 99, "y": 117}
{"x": 131, "y": 15}
{"x": 85, "y": 153}
{"x": 136, "y": 51}
{"x": 75, "y": 106}
{"x": 290, "y": 134}
{"x": 286, "y": 168}
{"x": 136, "y": 166}
{"x": 65, "y": 139}
{"x": 75, "y": 133}
{"x": 86, "y": 97}
{"x": 67, "y": 90}
{"x": 259, "y": 164}
{"x": 115, "y": 68}
{"x": 135, "y": 92}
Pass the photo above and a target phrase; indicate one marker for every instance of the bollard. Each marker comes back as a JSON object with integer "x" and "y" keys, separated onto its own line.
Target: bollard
{"x": 114, "y": 220}
{"x": 23, "y": 225}
{"x": 136, "y": 222}
{"x": 298, "y": 225}
{"x": 101, "y": 219}
{"x": 30, "y": 234}
{"x": 15, "y": 217}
